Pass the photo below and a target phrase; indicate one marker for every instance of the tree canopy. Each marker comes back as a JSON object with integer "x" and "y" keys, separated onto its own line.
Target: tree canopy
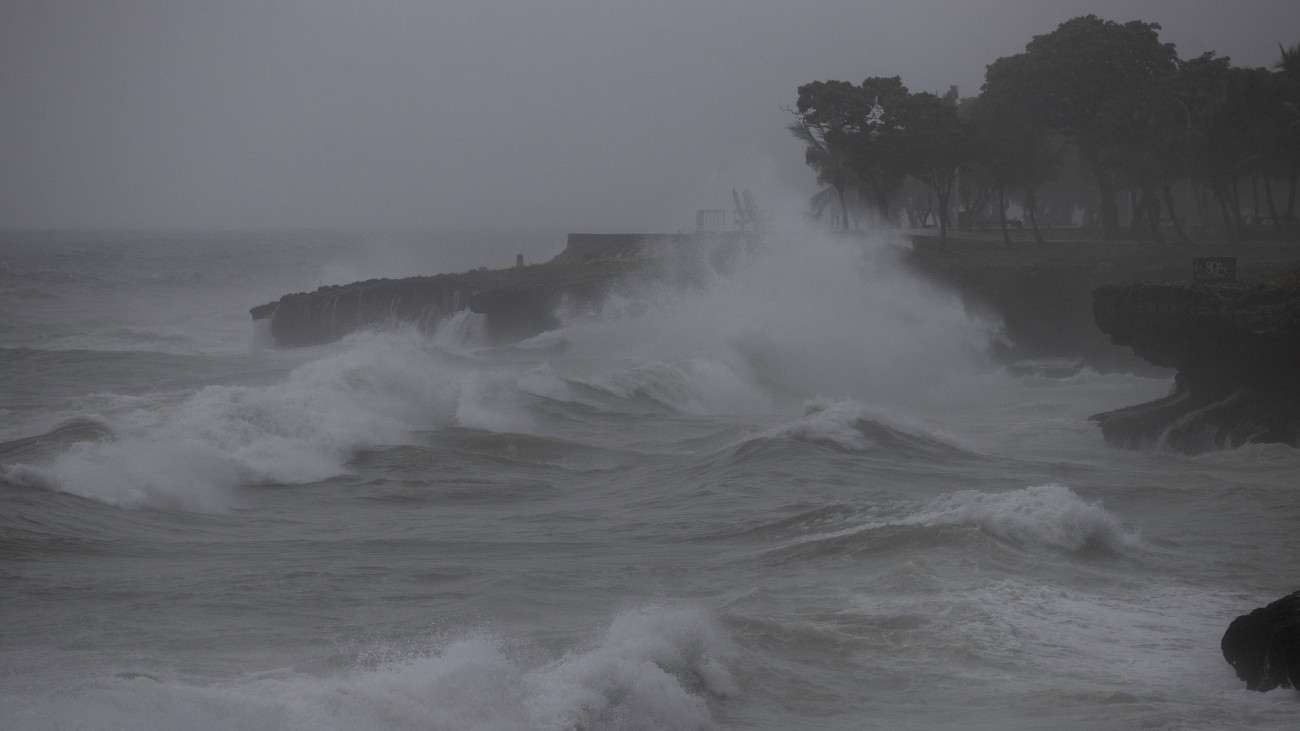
{"x": 1096, "y": 97}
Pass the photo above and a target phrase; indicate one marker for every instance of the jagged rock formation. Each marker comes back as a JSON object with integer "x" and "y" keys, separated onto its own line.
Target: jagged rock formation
{"x": 1264, "y": 646}
{"x": 1042, "y": 294}
{"x": 518, "y": 302}
{"x": 514, "y": 308}
{"x": 1237, "y": 350}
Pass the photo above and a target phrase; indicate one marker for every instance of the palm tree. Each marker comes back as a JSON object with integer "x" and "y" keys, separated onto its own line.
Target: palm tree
{"x": 1289, "y": 63}
{"x": 831, "y": 166}
{"x": 1288, "y": 69}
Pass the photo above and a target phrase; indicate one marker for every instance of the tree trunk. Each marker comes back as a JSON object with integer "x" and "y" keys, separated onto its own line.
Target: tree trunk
{"x": 1002, "y": 213}
{"x": 844, "y": 208}
{"x": 1136, "y": 214}
{"x": 980, "y": 208}
{"x": 944, "y": 194}
{"x": 1173, "y": 216}
{"x": 1109, "y": 206}
{"x": 1031, "y": 207}
{"x": 1272, "y": 208}
{"x": 1150, "y": 208}
{"x": 1291, "y": 227}
{"x": 1202, "y": 206}
{"x": 943, "y": 216}
{"x": 1234, "y": 192}
{"x": 1222, "y": 197}
{"x": 882, "y": 205}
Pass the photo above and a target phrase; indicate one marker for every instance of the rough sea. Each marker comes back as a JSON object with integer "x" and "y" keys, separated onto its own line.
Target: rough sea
{"x": 794, "y": 495}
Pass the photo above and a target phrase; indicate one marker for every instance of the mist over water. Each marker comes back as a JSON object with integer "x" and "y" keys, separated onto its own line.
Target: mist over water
{"x": 809, "y": 313}
{"x": 792, "y": 492}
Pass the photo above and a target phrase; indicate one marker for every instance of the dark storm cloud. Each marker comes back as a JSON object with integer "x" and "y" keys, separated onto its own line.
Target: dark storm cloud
{"x": 563, "y": 115}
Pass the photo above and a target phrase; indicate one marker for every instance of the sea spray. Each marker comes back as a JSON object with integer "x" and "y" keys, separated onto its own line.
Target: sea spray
{"x": 804, "y": 314}
{"x": 463, "y": 578}
{"x": 653, "y": 667}
{"x": 189, "y": 451}
{"x": 850, "y": 425}
{"x": 1040, "y": 517}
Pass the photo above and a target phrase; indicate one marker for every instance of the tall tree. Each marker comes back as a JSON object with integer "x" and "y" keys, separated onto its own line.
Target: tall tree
{"x": 829, "y": 115}
{"x": 1092, "y": 80}
{"x": 936, "y": 142}
{"x": 1018, "y": 152}
{"x": 1287, "y": 128}
{"x": 878, "y": 155}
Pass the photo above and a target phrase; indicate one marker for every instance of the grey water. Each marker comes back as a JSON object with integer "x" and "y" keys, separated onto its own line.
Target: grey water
{"x": 798, "y": 495}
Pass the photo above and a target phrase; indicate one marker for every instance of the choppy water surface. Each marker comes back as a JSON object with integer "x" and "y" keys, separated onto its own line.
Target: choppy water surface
{"x": 797, "y": 497}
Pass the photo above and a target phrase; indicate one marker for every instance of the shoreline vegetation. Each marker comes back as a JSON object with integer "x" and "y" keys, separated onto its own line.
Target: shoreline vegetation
{"x": 1147, "y": 160}
{"x": 1095, "y": 158}
{"x": 1096, "y": 123}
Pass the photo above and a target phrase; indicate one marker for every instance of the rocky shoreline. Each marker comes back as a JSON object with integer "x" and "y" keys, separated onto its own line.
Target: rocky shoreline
{"x": 517, "y": 303}
{"x": 1236, "y": 347}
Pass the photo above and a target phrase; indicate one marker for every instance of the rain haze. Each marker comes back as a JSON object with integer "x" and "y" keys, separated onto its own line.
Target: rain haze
{"x": 500, "y": 115}
{"x": 353, "y": 376}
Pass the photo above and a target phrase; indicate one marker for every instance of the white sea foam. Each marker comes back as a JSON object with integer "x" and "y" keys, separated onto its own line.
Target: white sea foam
{"x": 697, "y": 386}
{"x": 808, "y": 314}
{"x": 187, "y": 453}
{"x": 654, "y": 668}
{"x": 843, "y": 422}
{"x": 1042, "y": 516}
{"x": 463, "y": 330}
{"x": 1046, "y": 516}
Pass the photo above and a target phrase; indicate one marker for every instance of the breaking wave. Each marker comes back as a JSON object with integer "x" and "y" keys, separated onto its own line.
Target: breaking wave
{"x": 653, "y": 668}
{"x": 1050, "y": 517}
{"x": 188, "y": 451}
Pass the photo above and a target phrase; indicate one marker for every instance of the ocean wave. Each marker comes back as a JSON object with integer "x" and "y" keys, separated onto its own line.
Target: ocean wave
{"x": 695, "y": 387}
{"x": 804, "y": 314}
{"x": 654, "y": 667}
{"x": 189, "y": 452}
{"x": 125, "y": 339}
{"x": 848, "y": 425}
{"x": 55, "y": 440}
{"x": 1042, "y": 517}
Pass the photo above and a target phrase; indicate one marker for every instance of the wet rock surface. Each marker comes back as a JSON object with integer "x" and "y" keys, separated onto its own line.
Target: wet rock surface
{"x": 1264, "y": 645}
{"x": 1236, "y": 347}
{"x": 517, "y": 303}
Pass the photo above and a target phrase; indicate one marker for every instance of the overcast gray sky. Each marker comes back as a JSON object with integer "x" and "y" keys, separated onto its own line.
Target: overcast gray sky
{"x": 551, "y": 114}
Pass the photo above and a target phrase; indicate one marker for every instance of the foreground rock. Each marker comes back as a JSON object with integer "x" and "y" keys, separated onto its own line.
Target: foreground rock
{"x": 1236, "y": 347}
{"x": 1264, "y": 646}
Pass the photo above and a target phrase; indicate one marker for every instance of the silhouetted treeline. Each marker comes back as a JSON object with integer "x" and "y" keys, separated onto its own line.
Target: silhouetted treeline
{"x": 1097, "y": 124}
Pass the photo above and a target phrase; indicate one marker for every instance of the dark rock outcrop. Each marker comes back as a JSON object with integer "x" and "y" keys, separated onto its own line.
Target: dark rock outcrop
{"x": 1042, "y": 293}
{"x": 1264, "y": 646}
{"x": 515, "y": 308}
{"x": 1236, "y": 347}
{"x": 517, "y": 303}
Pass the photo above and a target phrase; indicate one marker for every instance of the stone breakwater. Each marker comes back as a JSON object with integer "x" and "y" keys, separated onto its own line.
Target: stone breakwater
{"x": 1236, "y": 347}
{"x": 517, "y": 303}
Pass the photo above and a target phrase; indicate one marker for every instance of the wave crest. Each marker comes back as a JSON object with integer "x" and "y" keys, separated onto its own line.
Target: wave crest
{"x": 1049, "y": 517}
{"x": 188, "y": 452}
{"x": 1045, "y": 516}
{"x": 654, "y": 667}
{"x": 851, "y": 426}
